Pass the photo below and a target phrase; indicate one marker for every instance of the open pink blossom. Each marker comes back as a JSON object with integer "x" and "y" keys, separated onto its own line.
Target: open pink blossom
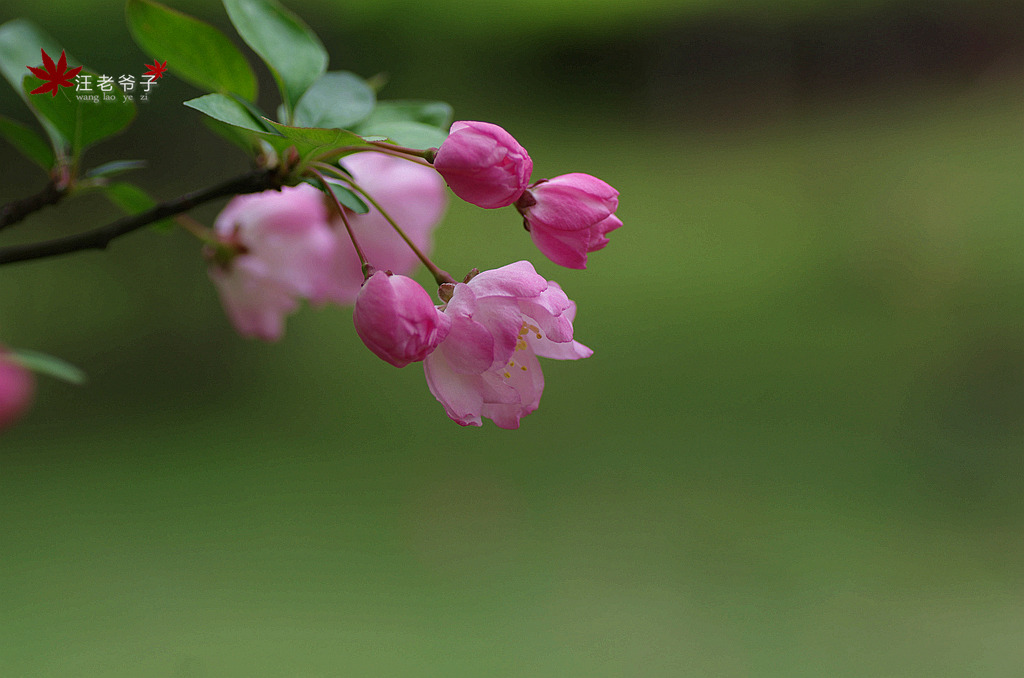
{"x": 483, "y": 164}
{"x": 287, "y": 252}
{"x": 397, "y": 319}
{"x": 569, "y": 216}
{"x": 16, "y": 389}
{"x": 502, "y": 320}
{"x": 412, "y": 194}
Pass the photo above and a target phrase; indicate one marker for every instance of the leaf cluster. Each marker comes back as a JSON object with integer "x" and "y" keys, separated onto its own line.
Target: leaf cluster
{"x": 320, "y": 111}
{"x": 322, "y": 116}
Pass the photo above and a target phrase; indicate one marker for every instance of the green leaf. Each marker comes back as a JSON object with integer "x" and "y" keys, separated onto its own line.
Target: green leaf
{"x": 293, "y": 52}
{"x": 338, "y": 99}
{"x": 315, "y": 140}
{"x": 31, "y": 145}
{"x": 109, "y": 169}
{"x": 134, "y": 200}
{"x": 256, "y": 112}
{"x": 238, "y": 136}
{"x": 83, "y": 123}
{"x": 42, "y": 363}
{"x": 20, "y": 45}
{"x": 226, "y": 109}
{"x": 434, "y": 113}
{"x": 20, "y": 42}
{"x": 411, "y": 134}
{"x": 195, "y": 51}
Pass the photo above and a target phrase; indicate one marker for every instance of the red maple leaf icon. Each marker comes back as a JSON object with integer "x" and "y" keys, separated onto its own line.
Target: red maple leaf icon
{"x": 156, "y": 69}
{"x": 55, "y": 76}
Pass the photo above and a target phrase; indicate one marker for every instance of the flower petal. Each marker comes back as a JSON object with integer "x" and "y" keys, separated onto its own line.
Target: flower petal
{"x": 469, "y": 346}
{"x": 519, "y": 279}
{"x": 568, "y": 350}
{"x": 524, "y": 377}
{"x": 565, "y": 248}
{"x": 572, "y": 201}
{"x": 255, "y": 303}
{"x": 461, "y": 394}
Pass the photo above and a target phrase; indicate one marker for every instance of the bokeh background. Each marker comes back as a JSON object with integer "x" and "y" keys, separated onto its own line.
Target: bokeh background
{"x": 797, "y": 451}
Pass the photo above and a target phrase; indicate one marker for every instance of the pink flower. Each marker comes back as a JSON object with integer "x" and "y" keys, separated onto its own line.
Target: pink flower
{"x": 16, "y": 389}
{"x": 501, "y": 321}
{"x": 483, "y": 164}
{"x": 397, "y": 319}
{"x": 413, "y": 195}
{"x": 286, "y": 252}
{"x": 568, "y": 216}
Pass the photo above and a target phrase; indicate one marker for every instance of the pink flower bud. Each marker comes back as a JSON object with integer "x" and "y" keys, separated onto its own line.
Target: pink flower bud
{"x": 397, "y": 320}
{"x": 568, "y": 216}
{"x": 483, "y": 164}
{"x": 16, "y": 388}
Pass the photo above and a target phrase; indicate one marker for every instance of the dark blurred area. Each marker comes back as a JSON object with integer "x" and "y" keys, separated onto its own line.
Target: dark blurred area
{"x": 724, "y": 62}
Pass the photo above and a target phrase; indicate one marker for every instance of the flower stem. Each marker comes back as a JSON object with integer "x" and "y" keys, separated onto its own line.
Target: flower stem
{"x": 367, "y": 268}
{"x": 426, "y": 154}
{"x": 417, "y": 156}
{"x": 439, "y": 275}
{"x": 197, "y": 229}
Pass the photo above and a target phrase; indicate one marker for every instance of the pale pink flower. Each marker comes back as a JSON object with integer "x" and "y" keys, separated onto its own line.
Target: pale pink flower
{"x": 483, "y": 164}
{"x": 501, "y": 321}
{"x": 412, "y": 194}
{"x": 569, "y": 216}
{"x": 397, "y": 319}
{"x": 16, "y": 389}
{"x": 287, "y": 252}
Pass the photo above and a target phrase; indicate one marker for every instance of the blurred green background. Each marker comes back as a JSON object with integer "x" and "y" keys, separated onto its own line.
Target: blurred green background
{"x": 797, "y": 451}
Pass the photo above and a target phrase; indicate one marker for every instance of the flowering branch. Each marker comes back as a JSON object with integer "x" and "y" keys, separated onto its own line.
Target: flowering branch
{"x": 281, "y": 244}
{"x": 251, "y": 182}
{"x": 15, "y": 211}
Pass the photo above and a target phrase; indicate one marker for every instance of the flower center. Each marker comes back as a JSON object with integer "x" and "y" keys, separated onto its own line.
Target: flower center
{"x": 521, "y": 345}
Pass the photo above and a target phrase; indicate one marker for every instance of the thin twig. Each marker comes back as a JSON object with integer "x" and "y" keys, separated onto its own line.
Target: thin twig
{"x": 13, "y": 212}
{"x": 99, "y": 238}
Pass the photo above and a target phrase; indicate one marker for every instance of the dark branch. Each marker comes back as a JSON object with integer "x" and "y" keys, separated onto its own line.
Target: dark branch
{"x": 253, "y": 182}
{"x": 13, "y": 212}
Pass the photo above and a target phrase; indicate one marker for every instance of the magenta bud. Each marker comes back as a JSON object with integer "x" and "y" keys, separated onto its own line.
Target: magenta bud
{"x": 569, "y": 216}
{"x": 397, "y": 320}
{"x": 483, "y": 164}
